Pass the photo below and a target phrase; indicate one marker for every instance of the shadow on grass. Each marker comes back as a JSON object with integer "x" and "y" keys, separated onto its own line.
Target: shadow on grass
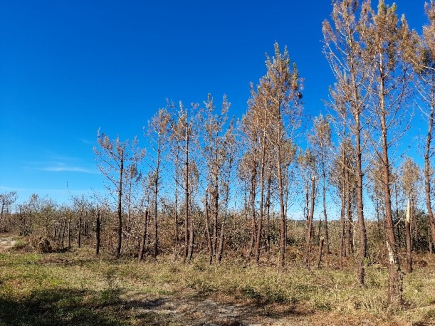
{"x": 61, "y": 307}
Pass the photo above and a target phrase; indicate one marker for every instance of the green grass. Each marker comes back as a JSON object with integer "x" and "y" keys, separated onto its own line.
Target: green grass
{"x": 75, "y": 288}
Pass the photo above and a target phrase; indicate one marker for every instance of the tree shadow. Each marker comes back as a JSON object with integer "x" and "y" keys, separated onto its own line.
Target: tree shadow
{"x": 58, "y": 307}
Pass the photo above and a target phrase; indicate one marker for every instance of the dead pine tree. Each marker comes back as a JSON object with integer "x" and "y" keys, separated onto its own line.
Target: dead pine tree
{"x": 307, "y": 165}
{"x": 320, "y": 140}
{"x": 387, "y": 41}
{"x": 410, "y": 184}
{"x": 184, "y": 130}
{"x": 424, "y": 67}
{"x": 215, "y": 146}
{"x": 254, "y": 124}
{"x": 345, "y": 51}
{"x": 174, "y": 154}
{"x": 158, "y": 134}
{"x": 7, "y": 199}
{"x": 248, "y": 172}
{"x": 114, "y": 158}
{"x": 98, "y": 232}
{"x": 277, "y": 99}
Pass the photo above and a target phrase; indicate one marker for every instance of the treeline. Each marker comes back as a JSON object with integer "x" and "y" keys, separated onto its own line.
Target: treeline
{"x": 206, "y": 183}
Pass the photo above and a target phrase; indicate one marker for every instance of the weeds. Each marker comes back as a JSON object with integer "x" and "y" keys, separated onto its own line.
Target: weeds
{"x": 73, "y": 288}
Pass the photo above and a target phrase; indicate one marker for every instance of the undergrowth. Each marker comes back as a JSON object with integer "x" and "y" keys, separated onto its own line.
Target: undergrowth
{"x": 75, "y": 288}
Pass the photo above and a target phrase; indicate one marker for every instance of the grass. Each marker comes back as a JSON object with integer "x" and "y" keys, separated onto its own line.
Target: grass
{"x": 75, "y": 288}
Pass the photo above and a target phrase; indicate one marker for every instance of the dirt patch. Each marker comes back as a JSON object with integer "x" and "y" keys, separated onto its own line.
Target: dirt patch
{"x": 191, "y": 310}
{"x": 6, "y": 243}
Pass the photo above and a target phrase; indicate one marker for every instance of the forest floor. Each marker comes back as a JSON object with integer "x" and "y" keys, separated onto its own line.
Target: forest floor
{"x": 77, "y": 288}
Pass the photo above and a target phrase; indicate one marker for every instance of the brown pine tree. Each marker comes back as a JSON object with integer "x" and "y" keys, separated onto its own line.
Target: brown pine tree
{"x": 113, "y": 159}
{"x": 344, "y": 52}
{"x": 386, "y": 38}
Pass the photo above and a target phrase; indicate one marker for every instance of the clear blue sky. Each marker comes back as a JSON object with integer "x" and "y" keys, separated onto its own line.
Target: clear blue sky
{"x": 68, "y": 68}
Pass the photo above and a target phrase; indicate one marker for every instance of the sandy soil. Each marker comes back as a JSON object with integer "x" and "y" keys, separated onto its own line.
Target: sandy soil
{"x": 6, "y": 243}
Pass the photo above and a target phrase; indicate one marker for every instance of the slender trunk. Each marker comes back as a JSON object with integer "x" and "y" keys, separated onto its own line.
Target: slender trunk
{"x": 319, "y": 260}
{"x": 253, "y": 194}
{"x": 156, "y": 233}
{"x": 207, "y": 229}
{"x": 176, "y": 231}
{"x": 319, "y": 231}
{"x": 260, "y": 217}
{"x": 191, "y": 237}
{"x": 144, "y": 237}
{"x": 69, "y": 234}
{"x": 268, "y": 203}
{"x": 428, "y": 169}
{"x": 397, "y": 229}
{"x": 221, "y": 241}
{"x": 408, "y": 247}
{"x": 310, "y": 223}
{"x": 429, "y": 236}
{"x": 222, "y": 234}
{"x": 349, "y": 222}
{"x": 121, "y": 171}
{"x": 98, "y": 233}
{"x": 79, "y": 236}
{"x": 186, "y": 197}
{"x": 395, "y": 281}
{"x": 408, "y": 220}
{"x": 360, "y": 206}
{"x": 325, "y": 214}
{"x": 216, "y": 212}
{"x": 342, "y": 221}
{"x": 63, "y": 233}
{"x": 281, "y": 206}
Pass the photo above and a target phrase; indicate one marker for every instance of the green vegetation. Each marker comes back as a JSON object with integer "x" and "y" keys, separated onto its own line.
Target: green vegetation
{"x": 75, "y": 288}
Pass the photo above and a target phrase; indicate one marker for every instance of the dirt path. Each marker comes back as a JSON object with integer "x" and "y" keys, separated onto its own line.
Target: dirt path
{"x": 208, "y": 312}
{"x": 6, "y": 243}
{"x": 194, "y": 311}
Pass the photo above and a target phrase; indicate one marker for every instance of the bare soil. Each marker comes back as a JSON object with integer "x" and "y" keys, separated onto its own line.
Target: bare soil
{"x": 6, "y": 243}
{"x": 210, "y": 311}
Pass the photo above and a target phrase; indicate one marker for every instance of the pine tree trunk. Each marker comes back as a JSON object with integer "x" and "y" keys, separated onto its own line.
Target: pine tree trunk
{"x": 216, "y": 213}
{"x": 362, "y": 254}
{"x": 319, "y": 261}
{"x": 428, "y": 173}
{"x": 408, "y": 247}
{"x": 144, "y": 237}
{"x": 186, "y": 199}
{"x": 349, "y": 222}
{"x": 395, "y": 287}
{"x": 342, "y": 223}
{"x": 268, "y": 203}
{"x": 119, "y": 211}
{"x": 176, "y": 231}
{"x": 328, "y": 250}
{"x": 260, "y": 217}
{"x": 222, "y": 233}
{"x": 156, "y": 233}
{"x": 207, "y": 229}
{"x": 281, "y": 206}
{"x": 98, "y": 233}
{"x": 79, "y": 235}
{"x": 310, "y": 224}
{"x": 191, "y": 238}
{"x": 253, "y": 194}
{"x": 69, "y": 234}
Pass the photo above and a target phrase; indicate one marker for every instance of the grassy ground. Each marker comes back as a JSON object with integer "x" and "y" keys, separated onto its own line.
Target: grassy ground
{"x": 75, "y": 288}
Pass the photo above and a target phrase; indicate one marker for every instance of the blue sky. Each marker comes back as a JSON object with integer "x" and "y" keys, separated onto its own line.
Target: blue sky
{"x": 68, "y": 68}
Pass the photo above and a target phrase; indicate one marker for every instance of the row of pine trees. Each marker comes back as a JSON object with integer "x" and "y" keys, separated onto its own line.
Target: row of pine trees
{"x": 208, "y": 179}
